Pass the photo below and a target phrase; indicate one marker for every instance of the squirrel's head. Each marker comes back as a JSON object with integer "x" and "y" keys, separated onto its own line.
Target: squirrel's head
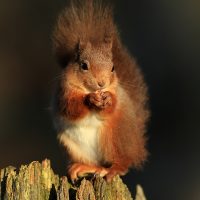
{"x": 82, "y": 43}
{"x": 91, "y": 68}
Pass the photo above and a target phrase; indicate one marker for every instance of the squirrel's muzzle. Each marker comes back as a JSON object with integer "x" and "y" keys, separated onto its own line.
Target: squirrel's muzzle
{"x": 101, "y": 84}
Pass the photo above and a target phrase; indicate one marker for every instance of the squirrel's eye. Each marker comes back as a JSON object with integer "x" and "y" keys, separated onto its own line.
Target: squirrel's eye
{"x": 113, "y": 69}
{"x": 84, "y": 66}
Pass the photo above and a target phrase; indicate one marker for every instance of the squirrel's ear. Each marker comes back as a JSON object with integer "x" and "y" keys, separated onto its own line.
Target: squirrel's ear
{"x": 80, "y": 47}
{"x": 108, "y": 42}
{"x": 83, "y": 45}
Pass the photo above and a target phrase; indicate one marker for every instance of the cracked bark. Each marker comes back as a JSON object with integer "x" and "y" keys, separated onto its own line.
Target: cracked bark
{"x": 37, "y": 181}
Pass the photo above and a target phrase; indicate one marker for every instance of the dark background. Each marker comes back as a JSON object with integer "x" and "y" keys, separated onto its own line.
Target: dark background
{"x": 164, "y": 36}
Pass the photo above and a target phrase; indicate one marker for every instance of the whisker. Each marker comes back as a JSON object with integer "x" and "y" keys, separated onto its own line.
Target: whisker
{"x": 129, "y": 82}
{"x": 126, "y": 84}
{"x": 58, "y": 77}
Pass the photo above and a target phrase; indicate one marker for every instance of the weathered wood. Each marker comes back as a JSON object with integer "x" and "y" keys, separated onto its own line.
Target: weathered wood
{"x": 37, "y": 181}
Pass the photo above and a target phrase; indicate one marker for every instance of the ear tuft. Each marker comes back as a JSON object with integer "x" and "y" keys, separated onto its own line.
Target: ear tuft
{"x": 83, "y": 45}
{"x": 108, "y": 42}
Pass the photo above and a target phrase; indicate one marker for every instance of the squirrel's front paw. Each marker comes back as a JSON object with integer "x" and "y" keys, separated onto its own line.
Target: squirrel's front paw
{"x": 99, "y": 99}
{"x": 95, "y": 100}
{"x": 107, "y": 99}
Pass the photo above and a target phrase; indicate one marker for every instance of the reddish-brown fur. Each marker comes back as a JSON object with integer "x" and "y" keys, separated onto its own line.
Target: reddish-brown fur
{"x": 73, "y": 105}
{"x": 86, "y": 31}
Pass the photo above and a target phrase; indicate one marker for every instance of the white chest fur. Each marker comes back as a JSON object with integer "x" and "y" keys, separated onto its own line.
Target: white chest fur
{"x": 84, "y": 136}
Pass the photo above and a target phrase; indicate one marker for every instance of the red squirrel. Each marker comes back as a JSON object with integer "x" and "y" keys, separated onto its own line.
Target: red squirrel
{"x": 100, "y": 103}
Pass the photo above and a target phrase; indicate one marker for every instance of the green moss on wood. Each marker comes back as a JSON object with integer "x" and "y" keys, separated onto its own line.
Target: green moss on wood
{"x": 37, "y": 181}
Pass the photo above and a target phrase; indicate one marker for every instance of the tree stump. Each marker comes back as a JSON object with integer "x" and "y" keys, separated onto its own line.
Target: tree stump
{"x": 37, "y": 181}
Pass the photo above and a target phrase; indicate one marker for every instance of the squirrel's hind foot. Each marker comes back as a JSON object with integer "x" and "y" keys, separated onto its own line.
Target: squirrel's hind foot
{"x": 113, "y": 171}
{"x": 78, "y": 170}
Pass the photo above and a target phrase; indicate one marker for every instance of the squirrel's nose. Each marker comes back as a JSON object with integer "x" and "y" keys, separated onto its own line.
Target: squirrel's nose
{"x": 101, "y": 83}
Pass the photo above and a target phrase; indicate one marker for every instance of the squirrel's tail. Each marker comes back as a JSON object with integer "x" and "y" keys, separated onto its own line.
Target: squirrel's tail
{"x": 82, "y": 21}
